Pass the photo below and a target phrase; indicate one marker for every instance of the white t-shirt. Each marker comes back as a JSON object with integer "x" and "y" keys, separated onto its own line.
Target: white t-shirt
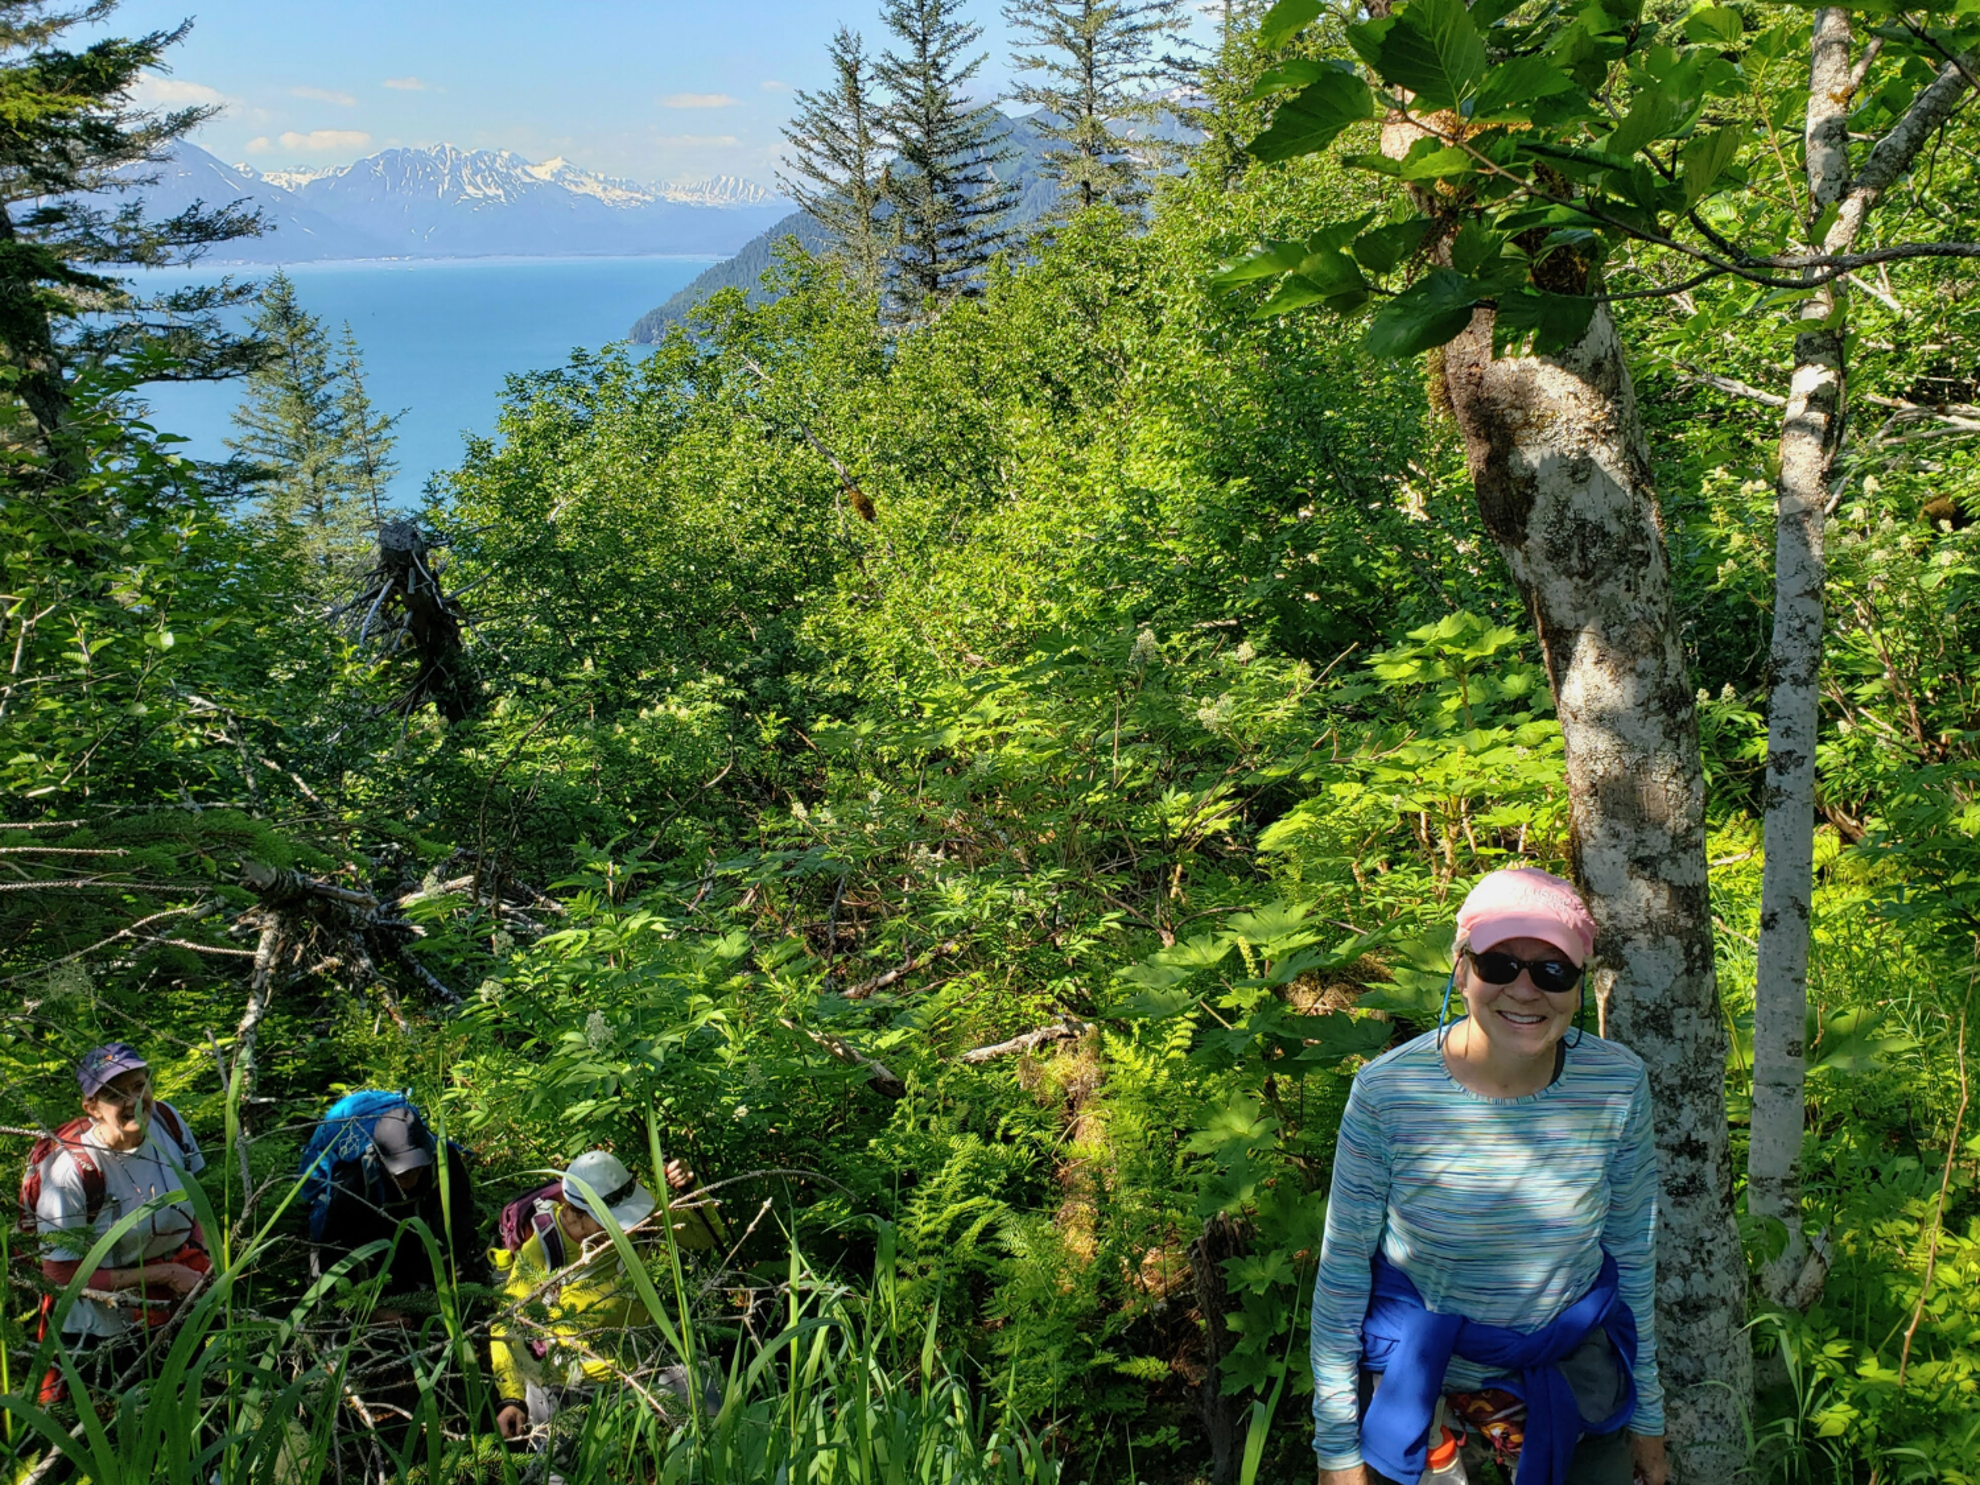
{"x": 130, "y": 1179}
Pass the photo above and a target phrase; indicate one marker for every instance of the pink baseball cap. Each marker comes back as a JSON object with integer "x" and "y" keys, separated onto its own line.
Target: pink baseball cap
{"x": 1526, "y": 902}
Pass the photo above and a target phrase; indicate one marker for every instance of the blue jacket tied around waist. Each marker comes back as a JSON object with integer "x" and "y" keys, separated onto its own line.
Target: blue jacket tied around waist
{"x": 1411, "y": 1347}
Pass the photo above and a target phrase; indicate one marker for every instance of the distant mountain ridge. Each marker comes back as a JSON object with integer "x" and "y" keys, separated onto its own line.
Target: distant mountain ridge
{"x": 504, "y": 171}
{"x": 447, "y": 202}
{"x": 1036, "y": 195}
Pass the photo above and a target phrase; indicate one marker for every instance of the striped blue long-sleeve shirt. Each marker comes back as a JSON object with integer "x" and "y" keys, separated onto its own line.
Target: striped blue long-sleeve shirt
{"x": 1497, "y": 1209}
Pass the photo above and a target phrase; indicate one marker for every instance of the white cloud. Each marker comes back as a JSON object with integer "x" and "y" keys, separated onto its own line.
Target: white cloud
{"x": 153, "y": 91}
{"x": 698, "y": 139}
{"x": 771, "y": 85}
{"x": 324, "y": 95}
{"x": 257, "y": 145}
{"x": 408, "y": 85}
{"x": 698, "y": 100}
{"x": 325, "y": 139}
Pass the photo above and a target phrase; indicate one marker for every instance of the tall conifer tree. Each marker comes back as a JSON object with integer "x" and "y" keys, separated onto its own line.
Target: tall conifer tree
{"x": 68, "y": 132}
{"x": 835, "y": 169}
{"x": 292, "y": 429}
{"x": 365, "y": 434}
{"x": 1096, "y": 61}
{"x": 946, "y": 188}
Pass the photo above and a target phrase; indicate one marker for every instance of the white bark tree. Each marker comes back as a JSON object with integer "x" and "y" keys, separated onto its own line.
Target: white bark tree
{"x": 1811, "y": 436}
{"x": 1530, "y": 179}
{"x": 1558, "y": 460}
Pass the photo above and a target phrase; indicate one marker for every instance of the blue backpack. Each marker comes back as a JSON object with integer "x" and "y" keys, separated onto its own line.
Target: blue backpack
{"x": 345, "y": 1135}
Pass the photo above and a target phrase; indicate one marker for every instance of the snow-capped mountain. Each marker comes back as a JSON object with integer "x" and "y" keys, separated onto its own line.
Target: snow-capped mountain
{"x": 449, "y": 202}
{"x": 718, "y": 190}
{"x": 612, "y": 190}
{"x": 294, "y": 178}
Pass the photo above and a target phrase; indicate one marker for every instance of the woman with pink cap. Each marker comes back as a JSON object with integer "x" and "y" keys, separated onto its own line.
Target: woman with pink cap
{"x": 1489, "y": 1258}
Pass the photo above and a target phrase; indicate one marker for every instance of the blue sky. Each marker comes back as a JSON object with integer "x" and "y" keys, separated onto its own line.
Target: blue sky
{"x": 660, "y": 90}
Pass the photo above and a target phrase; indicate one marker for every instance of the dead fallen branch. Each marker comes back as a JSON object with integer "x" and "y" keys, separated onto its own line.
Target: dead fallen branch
{"x": 881, "y": 1078}
{"x": 920, "y": 962}
{"x": 401, "y": 596}
{"x": 1065, "y": 1029}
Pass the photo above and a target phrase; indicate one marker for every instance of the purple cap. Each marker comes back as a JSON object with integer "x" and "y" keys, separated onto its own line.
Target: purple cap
{"x": 106, "y": 1062}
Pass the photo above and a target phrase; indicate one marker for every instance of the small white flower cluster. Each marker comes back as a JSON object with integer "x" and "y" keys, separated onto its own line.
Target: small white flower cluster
{"x": 598, "y": 1034}
{"x": 1215, "y": 715}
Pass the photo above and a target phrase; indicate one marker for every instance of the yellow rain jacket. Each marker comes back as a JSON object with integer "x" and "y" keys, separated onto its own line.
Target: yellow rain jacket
{"x": 587, "y": 1316}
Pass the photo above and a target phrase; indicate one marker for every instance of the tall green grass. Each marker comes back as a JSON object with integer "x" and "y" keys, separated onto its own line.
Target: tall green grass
{"x": 842, "y": 1393}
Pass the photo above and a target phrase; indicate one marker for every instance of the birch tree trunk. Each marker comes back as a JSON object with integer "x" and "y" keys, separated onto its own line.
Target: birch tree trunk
{"x": 1562, "y": 475}
{"x": 1811, "y": 433}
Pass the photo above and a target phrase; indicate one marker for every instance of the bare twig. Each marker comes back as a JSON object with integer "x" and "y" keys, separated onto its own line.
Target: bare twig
{"x": 260, "y": 990}
{"x": 121, "y": 933}
{"x": 424, "y": 975}
{"x": 856, "y": 497}
{"x": 881, "y": 981}
{"x": 880, "y": 1077}
{"x": 1731, "y": 387}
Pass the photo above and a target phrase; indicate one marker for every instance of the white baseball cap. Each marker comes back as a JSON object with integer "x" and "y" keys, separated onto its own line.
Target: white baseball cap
{"x": 617, "y": 1189}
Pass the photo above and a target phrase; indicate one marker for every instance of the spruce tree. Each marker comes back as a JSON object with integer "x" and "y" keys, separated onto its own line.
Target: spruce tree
{"x": 365, "y": 435}
{"x": 946, "y": 190}
{"x": 68, "y": 134}
{"x": 835, "y": 169}
{"x": 1098, "y": 61}
{"x": 292, "y": 431}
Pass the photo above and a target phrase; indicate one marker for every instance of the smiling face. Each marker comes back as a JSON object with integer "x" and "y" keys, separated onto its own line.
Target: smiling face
{"x": 1519, "y": 1021}
{"x": 121, "y": 1109}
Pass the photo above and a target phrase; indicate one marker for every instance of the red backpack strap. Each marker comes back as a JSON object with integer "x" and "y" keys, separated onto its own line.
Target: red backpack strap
{"x": 165, "y": 1114}
{"x": 88, "y": 1171}
{"x": 70, "y": 1138}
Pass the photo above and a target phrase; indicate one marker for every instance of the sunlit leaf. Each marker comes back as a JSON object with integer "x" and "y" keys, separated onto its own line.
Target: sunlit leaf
{"x": 1430, "y": 312}
{"x": 1286, "y": 20}
{"x": 1267, "y": 261}
{"x": 1434, "y": 51}
{"x": 1296, "y": 73}
{"x": 1704, "y": 159}
{"x": 1314, "y": 117}
{"x": 1512, "y": 86}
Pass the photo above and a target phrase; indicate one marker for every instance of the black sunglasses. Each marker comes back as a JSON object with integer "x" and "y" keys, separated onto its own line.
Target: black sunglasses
{"x": 1555, "y": 976}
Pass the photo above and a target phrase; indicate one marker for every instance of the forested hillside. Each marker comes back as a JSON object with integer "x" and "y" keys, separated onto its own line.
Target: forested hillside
{"x": 746, "y": 270}
{"x": 974, "y": 774}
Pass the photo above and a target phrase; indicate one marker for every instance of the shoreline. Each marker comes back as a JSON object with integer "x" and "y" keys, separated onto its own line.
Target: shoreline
{"x": 489, "y": 259}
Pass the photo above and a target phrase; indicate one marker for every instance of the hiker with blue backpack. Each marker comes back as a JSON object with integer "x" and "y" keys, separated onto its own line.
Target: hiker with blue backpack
{"x": 372, "y": 1166}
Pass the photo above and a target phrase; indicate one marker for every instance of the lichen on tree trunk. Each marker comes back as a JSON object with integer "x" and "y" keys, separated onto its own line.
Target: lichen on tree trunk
{"x": 1562, "y": 476}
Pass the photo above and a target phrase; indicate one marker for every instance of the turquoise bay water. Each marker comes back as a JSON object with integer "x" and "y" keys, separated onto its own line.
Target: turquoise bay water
{"x": 438, "y": 338}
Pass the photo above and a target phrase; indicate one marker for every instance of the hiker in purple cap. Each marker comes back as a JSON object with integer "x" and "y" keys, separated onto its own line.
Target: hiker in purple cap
{"x": 128, "y": 1150}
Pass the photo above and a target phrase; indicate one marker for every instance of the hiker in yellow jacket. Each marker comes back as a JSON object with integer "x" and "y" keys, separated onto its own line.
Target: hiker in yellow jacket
{"x": 557, "y": 1338}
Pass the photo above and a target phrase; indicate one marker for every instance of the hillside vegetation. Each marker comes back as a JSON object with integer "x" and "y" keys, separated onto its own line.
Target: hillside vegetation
{"x": 975, "y": 792}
